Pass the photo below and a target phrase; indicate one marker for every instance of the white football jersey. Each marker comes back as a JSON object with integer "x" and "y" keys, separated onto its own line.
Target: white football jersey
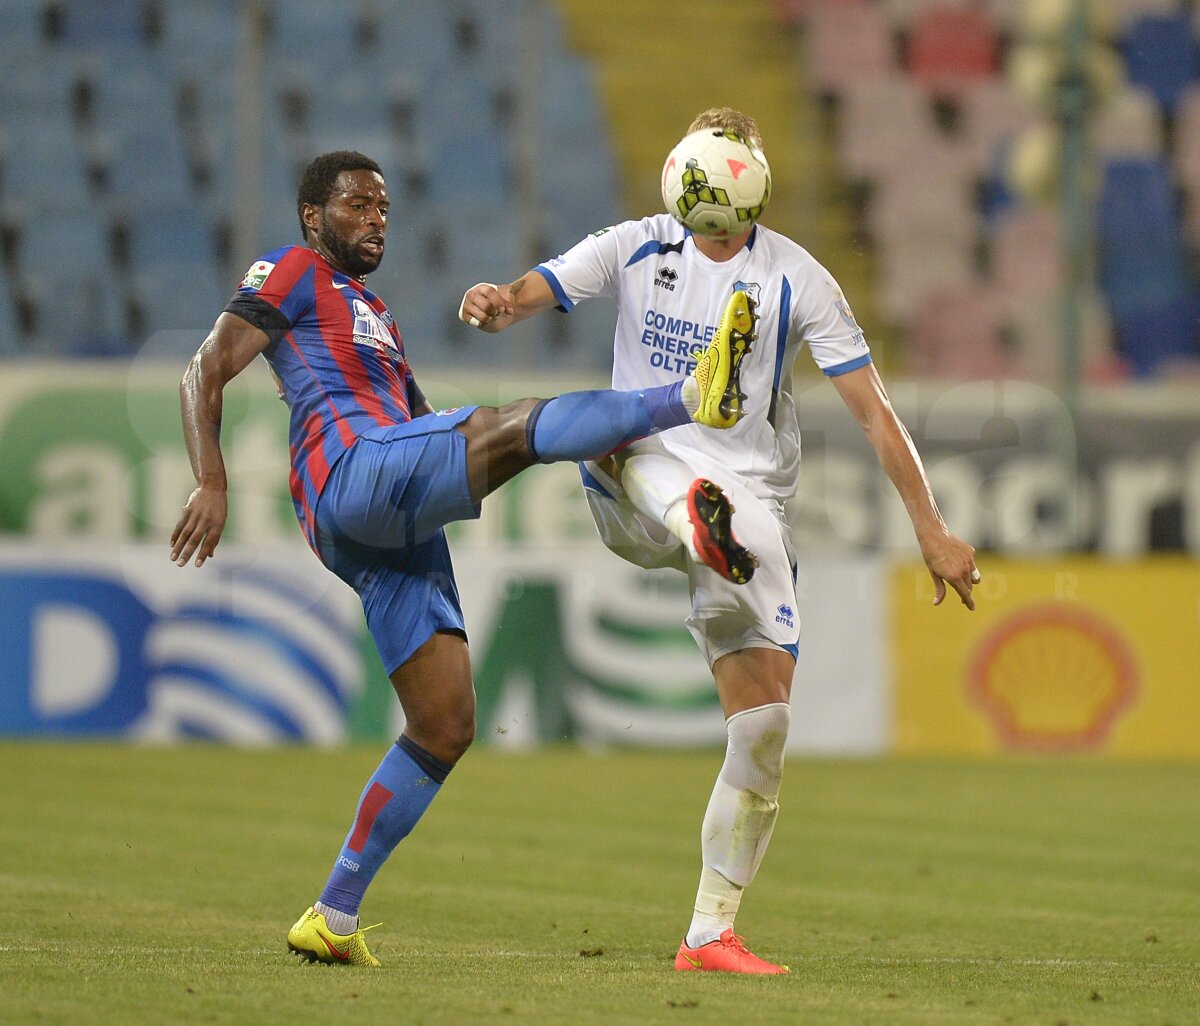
{"x": 670, "y": 300}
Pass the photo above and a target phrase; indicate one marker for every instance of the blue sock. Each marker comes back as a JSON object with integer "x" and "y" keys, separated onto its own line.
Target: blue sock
{"x": 395, "y": 797}
{"x": 583, "y": 425}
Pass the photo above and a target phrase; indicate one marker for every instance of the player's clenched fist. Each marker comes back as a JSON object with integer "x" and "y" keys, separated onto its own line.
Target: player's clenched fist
{"x": 482, "y": 304}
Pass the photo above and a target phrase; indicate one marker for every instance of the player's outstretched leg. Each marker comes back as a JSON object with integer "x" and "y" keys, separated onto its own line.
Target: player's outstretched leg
{"x": 711, "y": 513}
{"x": 586, "y": 425}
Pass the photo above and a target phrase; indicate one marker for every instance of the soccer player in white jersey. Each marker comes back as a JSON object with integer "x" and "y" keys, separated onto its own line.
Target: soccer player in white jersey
{"x": 672, "y": 288}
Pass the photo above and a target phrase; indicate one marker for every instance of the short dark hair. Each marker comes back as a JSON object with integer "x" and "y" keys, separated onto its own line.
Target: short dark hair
{"x": 316, "y": 184}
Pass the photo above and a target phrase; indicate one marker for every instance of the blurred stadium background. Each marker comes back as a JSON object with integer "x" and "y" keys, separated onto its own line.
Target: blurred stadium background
{"x": 1008, "y": 191}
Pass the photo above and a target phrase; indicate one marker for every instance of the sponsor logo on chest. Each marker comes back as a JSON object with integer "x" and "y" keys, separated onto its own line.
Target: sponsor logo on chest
{"x": 370, "y": 329}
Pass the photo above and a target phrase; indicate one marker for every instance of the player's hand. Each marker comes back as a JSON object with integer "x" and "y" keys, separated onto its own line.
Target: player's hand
{"x": 951, "y": 561}
{"x": 200, "y": 525}
{"x": 483, "y": 303}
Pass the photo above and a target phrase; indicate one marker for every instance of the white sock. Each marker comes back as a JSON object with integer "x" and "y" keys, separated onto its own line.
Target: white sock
{"x": 717, "y": 902}
{"x": 678, "y": 522}
{"x": 740, "y": 817}
{"x": 691, "y": 395}
{"x": 341, "y": 923}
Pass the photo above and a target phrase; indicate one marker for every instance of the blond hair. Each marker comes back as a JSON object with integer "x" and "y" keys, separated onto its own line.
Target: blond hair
{"x": 730, "y": 120}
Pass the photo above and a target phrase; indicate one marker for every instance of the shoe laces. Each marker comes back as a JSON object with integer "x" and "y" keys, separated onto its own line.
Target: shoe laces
{"x": 738, "y": 943}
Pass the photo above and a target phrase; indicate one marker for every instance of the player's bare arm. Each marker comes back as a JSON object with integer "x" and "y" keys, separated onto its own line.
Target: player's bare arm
{"x": 950, "y": 560}
{"x": 227, "y": 351}
{"x": 493, "y": 308}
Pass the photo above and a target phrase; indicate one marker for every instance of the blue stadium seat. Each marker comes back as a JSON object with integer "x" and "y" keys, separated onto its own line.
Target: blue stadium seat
{"x": 303, "y": 27}
{"x": 348, "y": 101}
{"x": 469, "y": 151}
{"x": 170, "y": 235}
{"x": 103, "y": 24}
{"x": 38, "y": 87}
{"x": 63, "y": 240}
{"x": 43, "y": 160}
{"x": 417, "y": 35}
{"x": 1152, "y": 337}
{"x": 1162, "y": 55}
{"x": 10, "y": 335}
{"x": 1140, "y": 249}
{"x": 80, "y": 313}
{"x": 183, "y": 296}
{"x": 148, "y": 165}
{"x": 23, "y": 27}
{"x": 194, "y": 32}
{"x": 139, "y": 94}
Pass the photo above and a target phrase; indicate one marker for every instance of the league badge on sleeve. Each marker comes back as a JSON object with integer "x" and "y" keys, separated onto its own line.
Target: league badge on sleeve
{"x": 257, "y": 275}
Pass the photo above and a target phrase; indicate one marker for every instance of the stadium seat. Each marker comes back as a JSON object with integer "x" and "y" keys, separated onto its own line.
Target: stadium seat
{"x": 23, "y": 28}
{"x": 193, "y": 32}
{"x": 1159, "y": 337}
{"x": 950, "y": 48}
{"x": 36, "y": 88}
{"x": 1140, "y": 251}
{"x": 140, "y": 93}
{"x": 417, "y": 35}
{"x": 1128, "y": 125}
{"x": 917, "y": 262}
{"x": 848, "y": 44}
{"x": 991, "y": 115}
{"x": 10, "y": 333}
{"x": 1035, "y": 332}
{"x": 111, "y": 25}
{"x": 168, "y": 235}
{"x": 927, "y": 185}
{"x": 166, "y": 181}
{"x": 468, "y": 148}
{"x": 43, "y": 160}
{"x": 1162, "y": 55}
{"x": 81, "y": 313}
{"x": 873, "y": 117}
{"x": 182, "y": 296}
{"x": 349, "y": 100}
{"x": 1126, "y": 13}
{"x": 300, "y": 27}
{"x": 1026, "y": 252}
{"x": 957, "y": 332}
{"x": 63, "y": 240}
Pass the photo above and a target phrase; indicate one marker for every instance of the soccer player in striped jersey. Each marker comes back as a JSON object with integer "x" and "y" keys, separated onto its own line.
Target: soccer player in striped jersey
{"x": 651, "y": 500}
{"x": 376, "y": 473}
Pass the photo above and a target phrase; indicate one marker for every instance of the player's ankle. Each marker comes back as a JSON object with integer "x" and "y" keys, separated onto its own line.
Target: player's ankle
{"x": 341, "y": 923}
{"x": 678, "y": 522}
{"x": 691, "y": 395}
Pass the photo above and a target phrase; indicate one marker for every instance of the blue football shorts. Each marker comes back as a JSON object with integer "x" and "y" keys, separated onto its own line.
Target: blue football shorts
{"x": 379, "y": 528}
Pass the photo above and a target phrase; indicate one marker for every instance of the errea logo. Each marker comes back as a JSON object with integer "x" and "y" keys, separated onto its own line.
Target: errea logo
{"x": 666, "y": 278}
{"x": 785, "y": 615}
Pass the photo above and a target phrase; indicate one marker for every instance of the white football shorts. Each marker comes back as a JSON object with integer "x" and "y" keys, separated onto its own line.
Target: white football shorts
{"x": 725, "y": 617}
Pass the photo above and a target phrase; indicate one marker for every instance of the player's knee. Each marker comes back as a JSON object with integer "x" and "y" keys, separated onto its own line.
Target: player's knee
{"x": 757, "y": 741}
{"x": 447, "y": 738}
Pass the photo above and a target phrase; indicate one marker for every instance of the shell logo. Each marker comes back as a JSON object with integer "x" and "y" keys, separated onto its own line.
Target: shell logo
{"x": 1053, "y": 678}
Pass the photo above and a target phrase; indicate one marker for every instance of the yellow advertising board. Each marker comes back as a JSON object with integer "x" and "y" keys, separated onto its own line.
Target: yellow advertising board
{"x": 1070, "y": 655}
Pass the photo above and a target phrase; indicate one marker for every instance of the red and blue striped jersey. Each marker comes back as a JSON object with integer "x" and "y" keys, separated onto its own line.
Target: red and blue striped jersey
{"x": 337, "y": 356}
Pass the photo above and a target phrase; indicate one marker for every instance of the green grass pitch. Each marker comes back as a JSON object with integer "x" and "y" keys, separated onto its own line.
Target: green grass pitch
{"x": 154, "y": 886}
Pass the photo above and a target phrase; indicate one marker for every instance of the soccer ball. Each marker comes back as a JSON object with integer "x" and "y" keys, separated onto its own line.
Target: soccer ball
{"x": 716, "y": 182}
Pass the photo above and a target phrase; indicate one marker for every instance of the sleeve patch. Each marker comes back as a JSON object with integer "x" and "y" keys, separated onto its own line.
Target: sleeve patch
{"x": 257, "y": 275}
